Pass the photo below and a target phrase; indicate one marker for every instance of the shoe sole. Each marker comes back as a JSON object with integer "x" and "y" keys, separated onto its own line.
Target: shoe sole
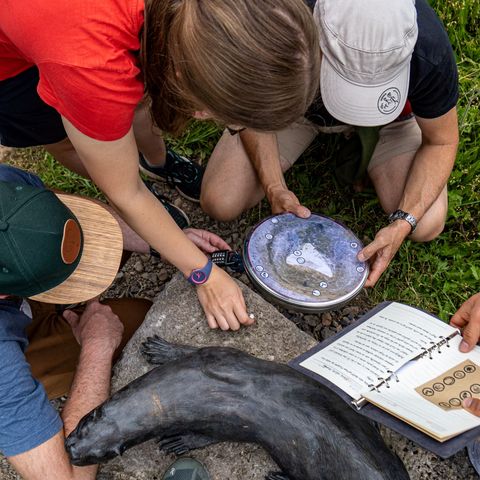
{"x": 148, "y": 173}
{"x": 184, "y": 215}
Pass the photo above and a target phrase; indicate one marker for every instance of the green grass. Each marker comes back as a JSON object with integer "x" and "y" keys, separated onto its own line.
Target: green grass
{"x": 437, "y": 276}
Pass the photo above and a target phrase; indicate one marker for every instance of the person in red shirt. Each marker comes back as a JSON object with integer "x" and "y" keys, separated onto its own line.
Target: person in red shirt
{"x": 97, "y": 82}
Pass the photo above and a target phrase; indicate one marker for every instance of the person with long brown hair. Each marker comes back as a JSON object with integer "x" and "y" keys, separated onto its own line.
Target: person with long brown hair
{"x": 102, "y": 84}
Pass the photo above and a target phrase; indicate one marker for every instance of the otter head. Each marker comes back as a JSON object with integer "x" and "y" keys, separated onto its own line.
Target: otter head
{"x": 92, "y": 440}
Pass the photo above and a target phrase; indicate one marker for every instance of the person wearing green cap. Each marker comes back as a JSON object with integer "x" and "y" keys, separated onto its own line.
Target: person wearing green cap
{"x": 57, "y": 249}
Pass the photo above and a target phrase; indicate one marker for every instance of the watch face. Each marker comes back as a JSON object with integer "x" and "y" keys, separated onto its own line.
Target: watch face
{"x": 198, "y": 277}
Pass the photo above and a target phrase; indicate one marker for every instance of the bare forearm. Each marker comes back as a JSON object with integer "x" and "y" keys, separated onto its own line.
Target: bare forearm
{"x": 432, "y": 164}
{"x": 91, "y": 385}
{"x": 427, "y": 178}
{"x": 146, "y": 216}
{"x": 113, "y": 166}
{"x": 262, "y": 150}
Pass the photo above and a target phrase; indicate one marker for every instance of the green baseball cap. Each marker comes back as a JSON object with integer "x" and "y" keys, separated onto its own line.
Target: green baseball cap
{"x": 56, "y": 249}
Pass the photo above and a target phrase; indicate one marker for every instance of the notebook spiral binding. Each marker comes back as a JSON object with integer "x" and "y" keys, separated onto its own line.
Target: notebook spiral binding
{"x": 392, "y": 376}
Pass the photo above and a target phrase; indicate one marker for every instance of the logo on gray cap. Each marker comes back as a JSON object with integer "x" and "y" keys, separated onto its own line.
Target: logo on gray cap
{"x": 389, "y": 101}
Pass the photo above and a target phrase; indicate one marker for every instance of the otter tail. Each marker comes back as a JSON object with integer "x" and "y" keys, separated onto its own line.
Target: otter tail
{"x": 158, "y": 351}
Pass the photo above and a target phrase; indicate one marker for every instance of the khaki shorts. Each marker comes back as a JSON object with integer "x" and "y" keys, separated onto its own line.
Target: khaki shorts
{"x": 396, "y": 138}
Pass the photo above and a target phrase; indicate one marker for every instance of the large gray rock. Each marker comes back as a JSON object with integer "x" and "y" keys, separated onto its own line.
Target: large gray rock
{"x": 178, "y": 317}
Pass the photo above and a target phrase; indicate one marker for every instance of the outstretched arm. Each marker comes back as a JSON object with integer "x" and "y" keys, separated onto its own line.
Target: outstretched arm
{"x": 113, "y": 166}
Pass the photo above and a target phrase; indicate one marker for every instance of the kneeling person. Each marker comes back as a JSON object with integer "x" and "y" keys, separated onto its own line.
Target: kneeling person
{"x": 55, "y": 250}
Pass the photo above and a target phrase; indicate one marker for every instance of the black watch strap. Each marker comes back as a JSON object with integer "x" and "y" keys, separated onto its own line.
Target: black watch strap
{"x": 228, "y": 258}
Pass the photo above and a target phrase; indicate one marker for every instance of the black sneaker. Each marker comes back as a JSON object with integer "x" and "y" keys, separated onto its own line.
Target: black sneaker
{"x": 180, "y": 217}
{"x": 186, "y": 469}
{"x": 179, "y": 172}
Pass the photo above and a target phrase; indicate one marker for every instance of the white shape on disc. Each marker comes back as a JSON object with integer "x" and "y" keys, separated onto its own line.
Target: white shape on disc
{"x": 268, "y": 236}
{"x": 313, "y": 260}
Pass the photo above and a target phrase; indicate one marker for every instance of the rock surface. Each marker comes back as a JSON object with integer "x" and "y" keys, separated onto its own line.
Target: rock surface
{"x": 177, "y": 316}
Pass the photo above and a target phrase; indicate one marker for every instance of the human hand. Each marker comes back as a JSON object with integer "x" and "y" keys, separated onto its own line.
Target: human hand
{"x": 467, "y": 319}
{"x": 283, "y": 200}
{"x": 223, "y": 302}
{"x": 472, "y": 405}
{"x": 206, "y": 241}
{"x": 383, "y": 248}
{"x": 97, "y": 326}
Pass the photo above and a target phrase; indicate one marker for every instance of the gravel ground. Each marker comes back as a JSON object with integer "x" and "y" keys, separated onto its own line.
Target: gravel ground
{"x": 145, "y": 276}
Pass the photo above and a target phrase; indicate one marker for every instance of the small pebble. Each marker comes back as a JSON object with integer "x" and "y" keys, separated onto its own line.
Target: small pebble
{"x": 162, "y": 276}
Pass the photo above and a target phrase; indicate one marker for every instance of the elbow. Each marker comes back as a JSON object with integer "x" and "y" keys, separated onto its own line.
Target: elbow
{"x": 121, "y": 197}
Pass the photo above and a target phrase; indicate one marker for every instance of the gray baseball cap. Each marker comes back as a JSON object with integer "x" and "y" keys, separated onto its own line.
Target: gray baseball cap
{"x": 367, "y": 46}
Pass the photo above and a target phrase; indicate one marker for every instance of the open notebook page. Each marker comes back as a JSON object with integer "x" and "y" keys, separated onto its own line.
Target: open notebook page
{"x": 404, "y": 402}
{"x": 383, "y": 343}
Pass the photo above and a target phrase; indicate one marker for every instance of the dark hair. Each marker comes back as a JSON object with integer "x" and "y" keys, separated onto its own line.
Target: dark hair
{"x": 253, "y": 63}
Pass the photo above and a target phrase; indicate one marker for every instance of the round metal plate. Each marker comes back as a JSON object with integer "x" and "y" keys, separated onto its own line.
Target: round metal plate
{"x": 305, "y": 264}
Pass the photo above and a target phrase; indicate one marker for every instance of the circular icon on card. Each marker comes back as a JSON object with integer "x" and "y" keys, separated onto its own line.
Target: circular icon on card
{"x": 454, "y": 402}
{"x": 444, "y": 405}
{"x": 428, "y": 392}
{"x": 459, "y": 374}
{"x": 438, "y": 387}
{"x": 469, "y": 368}
{"x": 448, "y": 380}
{"x": 465, "y": 394}
{"x": 475, "y": 388}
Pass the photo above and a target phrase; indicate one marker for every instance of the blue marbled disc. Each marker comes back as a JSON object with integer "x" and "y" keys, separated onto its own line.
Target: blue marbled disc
{"x": 305, "y": 262}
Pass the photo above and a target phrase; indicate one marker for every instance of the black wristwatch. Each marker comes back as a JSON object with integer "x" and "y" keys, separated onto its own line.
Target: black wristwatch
{"x": 401, "y": 215}
{"x": 230, "y": 259}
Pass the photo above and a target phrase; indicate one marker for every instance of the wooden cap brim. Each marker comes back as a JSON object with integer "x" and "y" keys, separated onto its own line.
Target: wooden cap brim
{"x": 100, "y": 261}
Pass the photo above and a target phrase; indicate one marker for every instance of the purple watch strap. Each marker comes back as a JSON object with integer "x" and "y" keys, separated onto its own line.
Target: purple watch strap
{"x": 200, "y": 275}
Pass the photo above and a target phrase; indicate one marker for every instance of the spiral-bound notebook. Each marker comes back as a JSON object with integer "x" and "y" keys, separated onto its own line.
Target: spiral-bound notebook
{"x": 402, "y": 367}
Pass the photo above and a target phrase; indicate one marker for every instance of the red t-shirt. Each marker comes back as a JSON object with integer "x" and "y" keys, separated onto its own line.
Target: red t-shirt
{"x": 86, "y": 52}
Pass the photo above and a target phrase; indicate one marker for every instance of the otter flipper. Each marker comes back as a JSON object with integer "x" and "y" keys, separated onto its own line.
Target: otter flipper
{"x": 158, "y": 351}
{"x": 276, "y": 476}
{"x": 180, "y": 444}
